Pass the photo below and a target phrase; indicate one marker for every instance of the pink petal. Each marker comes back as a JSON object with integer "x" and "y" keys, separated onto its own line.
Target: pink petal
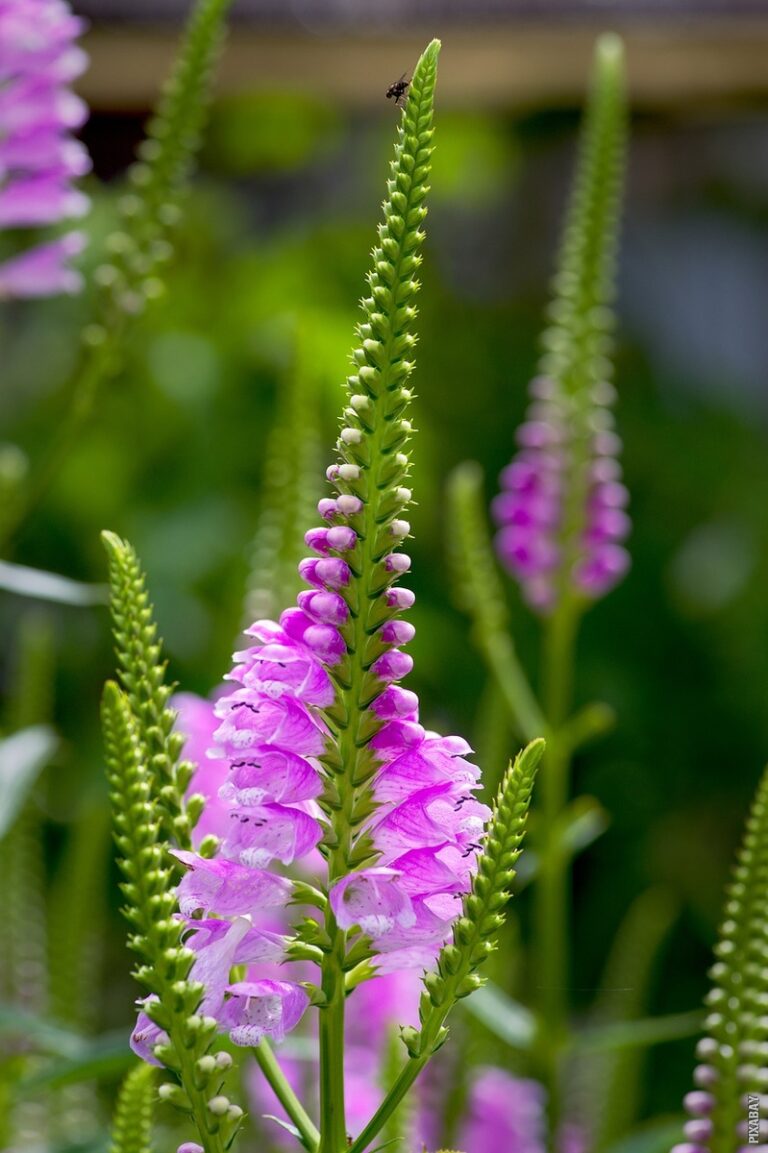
{"x": 225, "y": 887}
{"x": 257, "y": 1009}
{"x": 260, "y": 834}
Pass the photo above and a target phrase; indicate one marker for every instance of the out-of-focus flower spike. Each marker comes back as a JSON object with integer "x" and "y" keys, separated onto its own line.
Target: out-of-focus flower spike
{"x": 561, "y": 512}
{"x": 289, "y": 494}
{"x": 132, "y": 1123}
{"x": 728, "y": 1109}
{"x": 40, "y": 160}
{"x": 174, "y": 1029}
{"x": 479, "y": 592}
{"x": 142, "y": 672}
{"x": 137, "y": 252}
{"x": 151, "y": 210}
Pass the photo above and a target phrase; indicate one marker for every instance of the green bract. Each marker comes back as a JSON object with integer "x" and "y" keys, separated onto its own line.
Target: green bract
{"x": 142, "y": 672}
{"x": 150, "y": 908}
{"x": 132, "y": 1125}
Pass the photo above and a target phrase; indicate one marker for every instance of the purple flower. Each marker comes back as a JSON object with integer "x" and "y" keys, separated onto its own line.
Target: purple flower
{"x": 264, "y": 775}
{"x": 257, "y": 1009}
{"x": 39, "y": 159}
{"x": 561, "y": 510}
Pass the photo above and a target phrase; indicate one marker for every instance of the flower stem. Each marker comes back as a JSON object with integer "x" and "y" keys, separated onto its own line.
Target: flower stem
{"x": 333, "y": 1127}
{"x": 274, "y": 1074}
{"x": 552, "y": 892}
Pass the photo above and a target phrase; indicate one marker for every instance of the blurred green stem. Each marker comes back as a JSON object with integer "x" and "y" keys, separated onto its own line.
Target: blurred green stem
{"x": 96, "y": 365}
{"x": 552, "y": 909}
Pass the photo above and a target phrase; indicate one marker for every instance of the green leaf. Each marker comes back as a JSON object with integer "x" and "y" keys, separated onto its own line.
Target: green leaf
{"x": 22, "y": 757}
{"x": 579, "y": 826}
{"x": 38, "y": 584}
{"x": 634, "y": 1035}
{"x": 43, "y": 1035}
{"x": 507, "y": 1019}
{"x": 101, "y": 1057}
{"x": 656, "y": 1136}
{"x": 616, "y": 1035}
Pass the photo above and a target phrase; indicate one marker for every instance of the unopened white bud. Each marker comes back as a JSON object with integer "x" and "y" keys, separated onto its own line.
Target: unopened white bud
{"x": 349, "y": 472}
{"x": 219, "y": 1105}
{"x": 351, "y": 435}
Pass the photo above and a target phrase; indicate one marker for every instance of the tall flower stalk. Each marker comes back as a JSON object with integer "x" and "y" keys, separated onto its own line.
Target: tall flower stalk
{"x": 561, "y": 522}
{"x": 40, "y": 160}
{"x": 320, "y": 748}
{"x": 138, "y": 251}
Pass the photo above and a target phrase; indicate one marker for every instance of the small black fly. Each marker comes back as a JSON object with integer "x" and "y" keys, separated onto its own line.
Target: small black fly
{"x": 398, "y": 90}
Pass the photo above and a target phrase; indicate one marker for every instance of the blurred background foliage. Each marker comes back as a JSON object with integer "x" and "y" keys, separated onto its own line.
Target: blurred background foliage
{"x": 270, "y": 263}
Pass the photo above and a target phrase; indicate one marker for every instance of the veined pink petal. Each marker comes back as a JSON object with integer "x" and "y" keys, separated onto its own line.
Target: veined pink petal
{"x": 250, "y": 720}
{"x": 264, "y": 833}
{"x": 270, "y": 774}
{"x": 277, "y": 668}
{"x": 428, "y": 764}
{"x": 256, "y": 1009}
{"x": 222, "y": 886}
{"x": 374, "y": 900}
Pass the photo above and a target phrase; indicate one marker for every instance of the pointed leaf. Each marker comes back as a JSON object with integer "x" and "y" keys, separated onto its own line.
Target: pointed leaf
{"x": 22, "y": 756}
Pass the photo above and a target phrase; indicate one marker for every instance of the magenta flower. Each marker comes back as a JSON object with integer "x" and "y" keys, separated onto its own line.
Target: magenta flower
{"x": 264, "y": 767}
{"x": 504, "y": 1114}
{"x": 562, "y": 509}
{"x": 39, "y": 158}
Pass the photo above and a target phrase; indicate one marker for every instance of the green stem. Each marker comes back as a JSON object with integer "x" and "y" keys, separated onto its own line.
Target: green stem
{"x": 552, "y": 891}
{"x": 394, "y": 1097}
{"x": 93, "y": 370}
{"x": 333, "y": 1126}
{"x": 524, "y": 711}
{"x": 270, "y": 1067}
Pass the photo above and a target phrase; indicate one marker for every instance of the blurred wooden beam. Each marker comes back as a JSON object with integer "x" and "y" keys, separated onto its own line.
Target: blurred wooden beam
{"x": 522, "y": 66}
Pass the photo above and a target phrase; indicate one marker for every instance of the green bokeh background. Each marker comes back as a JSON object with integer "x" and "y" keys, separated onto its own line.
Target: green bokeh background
{"x": 274, "y": 251}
